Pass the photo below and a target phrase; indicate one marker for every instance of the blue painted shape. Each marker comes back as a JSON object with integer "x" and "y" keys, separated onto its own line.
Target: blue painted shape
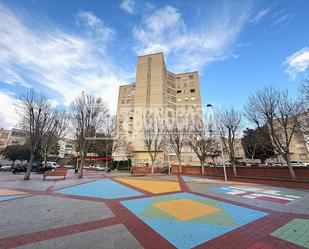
{"x": 10, "y": 197}
{"x": 189, "y": 178}
{"x": 104, "y": 188}
{"x": 186, "y": 234}
{"x": 221, "y": 190}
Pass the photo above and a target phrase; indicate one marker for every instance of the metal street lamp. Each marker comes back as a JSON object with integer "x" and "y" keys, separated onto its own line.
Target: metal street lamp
{"x": 221, "y": 145}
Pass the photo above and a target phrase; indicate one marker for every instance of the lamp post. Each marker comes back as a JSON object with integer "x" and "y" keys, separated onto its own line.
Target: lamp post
{"x": 221, "y": 145}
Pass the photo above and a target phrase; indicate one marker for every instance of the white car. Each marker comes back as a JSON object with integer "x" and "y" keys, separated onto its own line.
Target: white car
{"x": 297, "y": 164}
{"x": 69, "y": 166}
{"x": 277, "y": 164}
{"x": 100, "y": 168}
{"x": 52, "y": 165}
{"x": 6, "y": 167}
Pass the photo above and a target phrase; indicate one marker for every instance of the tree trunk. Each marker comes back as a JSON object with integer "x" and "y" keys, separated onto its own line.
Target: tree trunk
{"x": 45, "y": 161}
{"x": 29, "y": 168}
{"x": 152, "y": 165}
{"x": 179, "y": 166}
{"x": 202, "y": 167}
{"x": 234, "y": 167}
{"x": 81, "y": 166}
{"x": 215, "y": 165}
{"x": 288, "y": 162}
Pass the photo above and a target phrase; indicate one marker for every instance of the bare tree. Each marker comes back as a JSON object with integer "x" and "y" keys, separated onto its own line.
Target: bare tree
{"x": 279, "y": 112}
{"x": 88, "y": 113}
{"x": 201, "y": 140}
{"x": 177, "y": 136}
{"x": 304, "y": 91}
{"x": 153, "y": 133}
{"x": 229, "y": 124}
{"x": 35, "y": 113}
{"x": 55, "y": 131}
{"x": 304, "y": 117}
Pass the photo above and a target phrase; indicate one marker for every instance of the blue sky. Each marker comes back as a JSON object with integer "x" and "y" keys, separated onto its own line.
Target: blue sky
{"x": 64, "y": 47}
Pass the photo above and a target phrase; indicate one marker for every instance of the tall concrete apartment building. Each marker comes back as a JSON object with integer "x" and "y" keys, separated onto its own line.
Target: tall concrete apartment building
{"x": 155, "y": 88}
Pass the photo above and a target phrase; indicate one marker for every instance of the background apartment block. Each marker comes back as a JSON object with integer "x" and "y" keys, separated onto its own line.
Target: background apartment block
{"x": 12, "y": 137}
{"x": 155, "y": 88}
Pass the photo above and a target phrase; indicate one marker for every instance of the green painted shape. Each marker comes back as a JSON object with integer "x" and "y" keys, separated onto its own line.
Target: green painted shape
{"x": 155, "y": 213}
{"x": 296, "y": 231}
{"x": 163, "y": 199}
{"x": 219, "y": 218}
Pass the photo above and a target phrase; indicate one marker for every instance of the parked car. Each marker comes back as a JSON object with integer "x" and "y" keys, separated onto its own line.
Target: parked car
{"x": 297, "y": 164}
{"x": 69, "y": 166}
{"x": 19, "y": 169}
{"x": 306, "y": 164}
{"x": 6, "y": 167}
{"x": 277, "y": 164}
{"x": 52, "y": 165}
{"x": 101, "y": 168}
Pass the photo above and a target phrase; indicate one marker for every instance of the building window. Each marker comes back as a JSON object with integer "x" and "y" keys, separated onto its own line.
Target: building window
{"x": 191, "y": 77}
{"x": 192, "y": 98}
{"x": 192, "y": 90}
{"x": 178, "y": 91}
{"x": 131, "y": 117}
{"x": 186, "y": 99}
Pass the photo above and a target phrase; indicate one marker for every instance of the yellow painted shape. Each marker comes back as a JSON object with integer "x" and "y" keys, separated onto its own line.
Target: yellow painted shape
{"x": 155, "y": 187}
{"x": 5, "y": 192}
{"x": 185, "y": 209}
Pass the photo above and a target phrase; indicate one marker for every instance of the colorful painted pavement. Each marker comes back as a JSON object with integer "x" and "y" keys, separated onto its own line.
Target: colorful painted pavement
{"x": 296, "y": 231}
{"x": 11, "y": 194}
{"x": 258, "y": 193}
{"x": 104, "y": 188}
{"x": 187, "y": 220}
{"x": 153, "y": 214}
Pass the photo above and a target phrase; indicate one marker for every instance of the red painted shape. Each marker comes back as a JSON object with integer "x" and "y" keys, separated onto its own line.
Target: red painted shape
{"x": 183, "y": 186}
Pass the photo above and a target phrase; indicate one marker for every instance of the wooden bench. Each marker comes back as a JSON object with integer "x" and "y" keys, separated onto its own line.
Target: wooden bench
{"x": 91, "y": 169}
{"x": 56, "y": 172}
{"x": 139, "y": 171}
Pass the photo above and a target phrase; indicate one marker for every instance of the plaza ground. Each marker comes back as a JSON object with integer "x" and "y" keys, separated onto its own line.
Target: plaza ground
{"x": 119, "y": 211}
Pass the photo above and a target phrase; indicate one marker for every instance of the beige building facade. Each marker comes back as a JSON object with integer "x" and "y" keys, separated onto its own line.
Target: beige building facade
{"x": 12, "y": 137}
{"x": 156, "y": 90}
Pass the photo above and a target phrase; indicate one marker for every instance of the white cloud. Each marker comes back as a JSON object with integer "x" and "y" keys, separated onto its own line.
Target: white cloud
{"x": 297, "y": 62}
{"x": 190, "y": 47}
{"x": 262, "y": 13}
{"x": 128, "y": 6}
{"x": 8, "y": 115}
{"x": 37, "y": 54}
{"x": 95, "y": 26}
